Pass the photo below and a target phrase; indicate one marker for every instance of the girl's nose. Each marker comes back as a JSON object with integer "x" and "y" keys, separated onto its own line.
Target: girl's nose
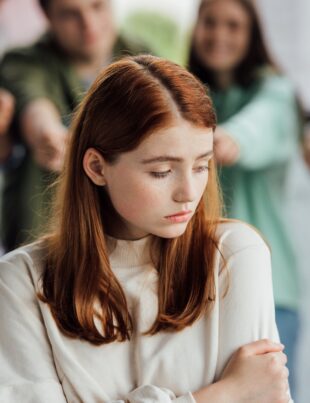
{"x": 185, "y": 191}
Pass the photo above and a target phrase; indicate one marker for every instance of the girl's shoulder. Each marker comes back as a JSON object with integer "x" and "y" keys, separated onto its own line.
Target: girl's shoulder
{"x": 234, "y": 236}
{"x": 22, "y": 266}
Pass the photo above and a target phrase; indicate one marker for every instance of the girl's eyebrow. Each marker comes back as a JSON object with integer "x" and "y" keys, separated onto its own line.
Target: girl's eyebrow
{"x": 169, "y": 158}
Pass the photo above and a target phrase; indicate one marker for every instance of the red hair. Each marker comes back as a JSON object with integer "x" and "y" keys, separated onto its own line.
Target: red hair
{"x": 129, "y": 100}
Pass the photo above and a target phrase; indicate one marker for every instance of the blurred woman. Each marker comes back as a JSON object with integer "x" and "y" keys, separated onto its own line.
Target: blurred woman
{"x": 257, "y": 135}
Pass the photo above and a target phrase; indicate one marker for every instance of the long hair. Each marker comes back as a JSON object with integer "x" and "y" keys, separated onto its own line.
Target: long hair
{"x": 130, "y": 99}
{"x": 256, "y": 57}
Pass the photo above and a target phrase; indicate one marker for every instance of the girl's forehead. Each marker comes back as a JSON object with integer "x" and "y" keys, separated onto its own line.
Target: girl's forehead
{"x": 183, "y": 138}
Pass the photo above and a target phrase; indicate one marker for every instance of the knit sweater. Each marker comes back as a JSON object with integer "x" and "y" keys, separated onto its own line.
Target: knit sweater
{"x": 40, "y": 364}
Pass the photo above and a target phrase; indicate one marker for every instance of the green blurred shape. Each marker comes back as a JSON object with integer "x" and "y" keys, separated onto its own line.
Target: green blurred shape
{"x": 158, "y": 32}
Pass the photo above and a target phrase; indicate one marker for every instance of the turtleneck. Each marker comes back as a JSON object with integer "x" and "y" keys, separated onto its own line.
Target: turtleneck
{"x": 129, "y": 253}
{"x": 162, "y": 368}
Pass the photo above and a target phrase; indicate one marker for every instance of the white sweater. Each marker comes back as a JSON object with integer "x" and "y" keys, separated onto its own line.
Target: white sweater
{"x": 38, "y": 364}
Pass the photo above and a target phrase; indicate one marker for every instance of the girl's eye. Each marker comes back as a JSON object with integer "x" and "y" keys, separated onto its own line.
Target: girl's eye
{"x": 162, "y": 174}
{"x": 203, "y": 168}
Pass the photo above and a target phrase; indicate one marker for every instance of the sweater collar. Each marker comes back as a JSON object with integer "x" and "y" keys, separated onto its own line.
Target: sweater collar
{"x": 125, "y": 253}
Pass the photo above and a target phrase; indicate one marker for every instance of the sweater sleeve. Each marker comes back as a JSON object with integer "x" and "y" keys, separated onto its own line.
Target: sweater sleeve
{"x": 267, "y": 128}
{"x": 28, "y": 372}
{"x": 246, "y": 309}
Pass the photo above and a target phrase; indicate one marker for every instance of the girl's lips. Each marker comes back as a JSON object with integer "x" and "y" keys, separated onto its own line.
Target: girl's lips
{"x": 181, "y": 213}
{"x": 179, "y": 217}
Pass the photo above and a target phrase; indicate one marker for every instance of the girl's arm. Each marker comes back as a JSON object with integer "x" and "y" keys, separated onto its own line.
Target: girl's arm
{"x": 256, "y": 373}
{"x": 246, "y": 315}
{"x": 28, "y": 370}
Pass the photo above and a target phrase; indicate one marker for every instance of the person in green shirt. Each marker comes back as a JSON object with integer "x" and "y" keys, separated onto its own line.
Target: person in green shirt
{"x": 48, "y": 80}
{"x": 258, "y": 132}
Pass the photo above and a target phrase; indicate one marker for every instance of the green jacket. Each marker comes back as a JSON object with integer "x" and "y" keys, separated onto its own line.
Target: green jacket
{"x": 264, "y": 120}
{"x": 40, "y": 70}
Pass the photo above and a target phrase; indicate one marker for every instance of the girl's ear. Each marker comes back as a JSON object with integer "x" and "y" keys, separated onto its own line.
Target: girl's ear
{"x": 93, "y": 164}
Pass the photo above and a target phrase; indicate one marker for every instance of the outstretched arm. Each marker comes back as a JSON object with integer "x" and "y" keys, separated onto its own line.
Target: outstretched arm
{"x": 264, "y": 132}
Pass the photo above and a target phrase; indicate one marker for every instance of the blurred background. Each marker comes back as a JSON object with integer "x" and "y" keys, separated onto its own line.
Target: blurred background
{"x": 286, "y": 25}
{"x": 165, "y": 27}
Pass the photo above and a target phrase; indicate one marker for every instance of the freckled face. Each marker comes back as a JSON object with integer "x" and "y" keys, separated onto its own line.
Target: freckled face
{"x": 155, "y": 189}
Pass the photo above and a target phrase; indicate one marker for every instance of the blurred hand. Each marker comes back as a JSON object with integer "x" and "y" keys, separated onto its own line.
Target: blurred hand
{"x": 7, "y": 106}
{"x": 49, "y": 146}
{"x": 45, "y": 134}
{"x": 226, "y": 150}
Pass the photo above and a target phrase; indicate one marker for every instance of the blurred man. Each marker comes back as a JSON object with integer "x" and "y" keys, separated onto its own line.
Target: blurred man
{"x": 48, "y": 79}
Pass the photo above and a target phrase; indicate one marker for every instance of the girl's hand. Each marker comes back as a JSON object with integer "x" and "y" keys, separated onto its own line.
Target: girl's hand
{"x": 255, "y": 373}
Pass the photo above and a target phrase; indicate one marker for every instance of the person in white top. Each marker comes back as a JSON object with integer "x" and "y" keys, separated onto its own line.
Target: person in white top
{"x": 140, "y": 292}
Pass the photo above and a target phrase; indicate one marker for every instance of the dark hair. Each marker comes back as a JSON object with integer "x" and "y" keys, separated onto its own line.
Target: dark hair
{"x": 130, "y": 99}
{"x": 44, "y": 4}
{"x": 256, "y": 57}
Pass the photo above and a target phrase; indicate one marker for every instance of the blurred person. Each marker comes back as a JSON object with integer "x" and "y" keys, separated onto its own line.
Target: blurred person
{"x": 258, "y": 132}
{"x": 141, "y": 292}
{"x": 48, "y": 79}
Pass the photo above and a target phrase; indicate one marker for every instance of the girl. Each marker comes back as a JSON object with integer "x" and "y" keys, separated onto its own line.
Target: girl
{"x": 257, "y": 136}
{"x": 140, "y": 292}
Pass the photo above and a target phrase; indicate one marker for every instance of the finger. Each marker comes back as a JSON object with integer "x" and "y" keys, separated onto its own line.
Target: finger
{"x": 261, "y": 347}
{"x": 279, "y": 356}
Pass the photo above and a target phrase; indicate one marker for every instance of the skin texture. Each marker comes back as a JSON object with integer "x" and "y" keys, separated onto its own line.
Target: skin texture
{"x": 155, "y": 190}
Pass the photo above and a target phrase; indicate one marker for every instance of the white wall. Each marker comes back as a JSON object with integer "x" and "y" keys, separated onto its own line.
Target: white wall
{"x": 287, "y": 29}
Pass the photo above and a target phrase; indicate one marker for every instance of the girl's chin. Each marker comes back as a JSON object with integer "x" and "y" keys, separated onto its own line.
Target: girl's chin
{"x": 170, "y": 233}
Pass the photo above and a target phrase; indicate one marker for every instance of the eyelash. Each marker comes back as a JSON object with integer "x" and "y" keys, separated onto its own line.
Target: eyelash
{"x": 160, "y": 175}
